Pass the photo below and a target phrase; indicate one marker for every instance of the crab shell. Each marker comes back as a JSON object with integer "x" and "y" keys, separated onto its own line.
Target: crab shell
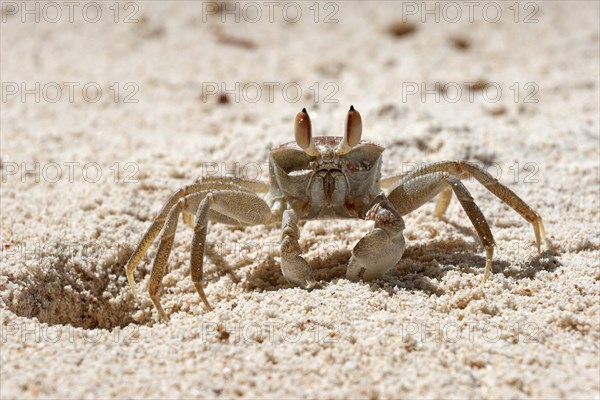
{"x": 328, "y": 185}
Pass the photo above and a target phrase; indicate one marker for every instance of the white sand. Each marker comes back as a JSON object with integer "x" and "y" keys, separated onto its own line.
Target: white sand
{"x": 70, "y": 327}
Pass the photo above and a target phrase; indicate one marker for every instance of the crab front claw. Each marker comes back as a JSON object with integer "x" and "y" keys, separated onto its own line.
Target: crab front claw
{"x": 295, "y": 269}
{"x": 382, "y": 248}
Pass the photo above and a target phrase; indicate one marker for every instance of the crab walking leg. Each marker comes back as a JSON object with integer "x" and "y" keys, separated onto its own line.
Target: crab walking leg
{"x": 245, "y": 207}
{"x": 464, "y": 169}
{"x": 157, "y": 225}
{"x": 196, "y": 206}
{"x": 256, "y": 186}
{"x": 443, "y": 202}
{"x": 198, "y": 243}
{"x": 477, "y": 219}
{"x": 159, "y": 269}
{"x": 293, "y": 266}
{"x": 215, "y": 182}
{"x": 191, "y": 204}
{"x": 381, "y": 249}
{"x": 413, "y": 193}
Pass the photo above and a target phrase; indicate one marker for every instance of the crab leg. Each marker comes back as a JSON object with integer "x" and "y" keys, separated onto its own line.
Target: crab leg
{"x": 245, "y": 207}
{"x": 235, "y": 206}
{"x": 159, "y": 269}
{"x": 443, "y": 202}
{"x": 464, "y": 169}
{"x": 157, "y": 225}
{"x": 381, "y": 249}
{"x": 412, "y": 193}
{"x": 293, "y": 266}
{"x": 256, "y": 186}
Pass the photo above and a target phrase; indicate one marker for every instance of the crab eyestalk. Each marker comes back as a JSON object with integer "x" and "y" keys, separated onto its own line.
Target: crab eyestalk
{"x": 303, "y": 133}
{"x": 352, "y": 133}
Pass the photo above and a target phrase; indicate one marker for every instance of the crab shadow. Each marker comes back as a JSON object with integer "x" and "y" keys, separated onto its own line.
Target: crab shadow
{"x": 424, "y": 267}
{"x": 268, "y": 276}
{"x": 528, "y": 261}
{"x": 92, "y": 292}
{"x": 421, "y": 268}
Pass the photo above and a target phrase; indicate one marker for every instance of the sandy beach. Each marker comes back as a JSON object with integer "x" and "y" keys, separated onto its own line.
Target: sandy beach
{"x": 107, "y": 110}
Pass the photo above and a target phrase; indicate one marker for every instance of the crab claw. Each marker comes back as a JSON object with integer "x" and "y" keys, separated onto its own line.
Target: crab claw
{"x": 295, "y": 269}
{"x": 382, "y": 248}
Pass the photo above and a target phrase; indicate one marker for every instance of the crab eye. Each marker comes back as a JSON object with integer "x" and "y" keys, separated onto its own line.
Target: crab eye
{"x": 303, "y": 129}
{"x": 353, "y": 127}
{"x": 303, "y": 132}
{"x": 352, "y": 133}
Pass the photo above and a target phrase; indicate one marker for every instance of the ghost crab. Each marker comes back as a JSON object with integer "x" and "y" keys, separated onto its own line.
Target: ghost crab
{"x": 320, "y": 178}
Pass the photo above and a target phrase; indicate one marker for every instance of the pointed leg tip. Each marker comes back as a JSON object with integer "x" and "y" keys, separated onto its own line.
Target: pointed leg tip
{"x": 200, "y": 290}
{"x": 164, "y": 317}
{"x": 131, "y": 282}
{"x": 540, "y": 233}
{"x": 205, "y": 301}
{"x": 208, "y": 306}
{"x": 486, "y": 277}
{"x": 134, "y": 293}
{"x": 488, "y": 264}
{"x": 542, "y": 228}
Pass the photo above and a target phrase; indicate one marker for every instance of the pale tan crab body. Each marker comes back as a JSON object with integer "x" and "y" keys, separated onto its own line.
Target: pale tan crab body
{"x": 328, "y": 185}
{"x": 321, "y": 178}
